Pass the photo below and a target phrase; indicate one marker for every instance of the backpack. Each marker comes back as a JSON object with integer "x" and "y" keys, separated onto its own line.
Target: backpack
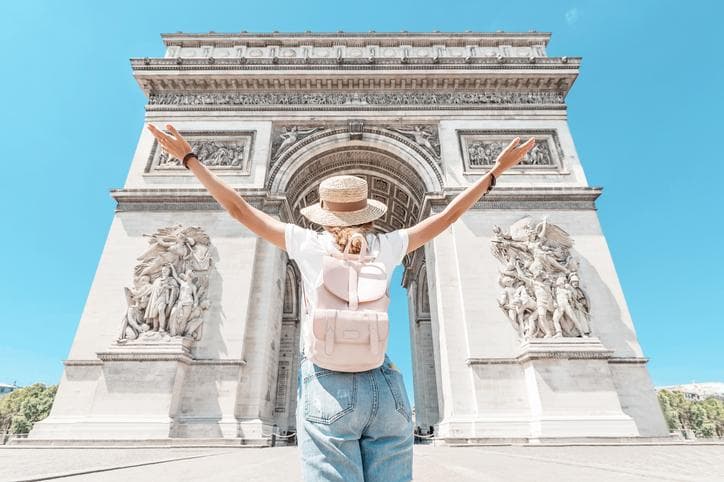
{"x": 349, "y": 324}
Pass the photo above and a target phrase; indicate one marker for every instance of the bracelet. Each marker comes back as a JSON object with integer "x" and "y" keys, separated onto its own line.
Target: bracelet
{"x": 492, "y": 182}
{"x": 187, "y": 157}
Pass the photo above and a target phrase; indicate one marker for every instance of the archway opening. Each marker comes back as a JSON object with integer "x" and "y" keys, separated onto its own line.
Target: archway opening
{"x": 395, "y": 183}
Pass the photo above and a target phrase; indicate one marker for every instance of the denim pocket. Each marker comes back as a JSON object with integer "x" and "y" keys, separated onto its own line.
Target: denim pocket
{"x": 397, "y": 386}
{"x": 327, "y": 394}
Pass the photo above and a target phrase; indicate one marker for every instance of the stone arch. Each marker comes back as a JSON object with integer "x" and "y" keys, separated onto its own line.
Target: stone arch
{"x": 399, "y": 173}
{"x": 422, "y": 163}
{"x": 401, "y": 177}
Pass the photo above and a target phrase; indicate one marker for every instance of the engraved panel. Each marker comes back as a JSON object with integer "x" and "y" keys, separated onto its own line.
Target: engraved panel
{"x": 224, "y": 151}
{"x": 480, "y": 148}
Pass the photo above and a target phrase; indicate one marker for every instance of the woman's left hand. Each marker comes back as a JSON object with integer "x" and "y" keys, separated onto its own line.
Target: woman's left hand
{"x": 176, "y": 146}
{"x": 512, "y": 155}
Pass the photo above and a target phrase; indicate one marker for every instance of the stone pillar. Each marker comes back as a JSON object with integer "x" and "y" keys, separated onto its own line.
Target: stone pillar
{"x": 449, "y": 328}
{"x": 426, "y": 408}
{"x": 257, "y": 388}
{"x": 286, "y": 389}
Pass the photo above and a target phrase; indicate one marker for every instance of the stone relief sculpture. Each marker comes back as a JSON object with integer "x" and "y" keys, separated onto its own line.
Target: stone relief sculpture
{"x": 212, "y": 153}
{"x": 484, "y": 153}
{"x": 169, "y": 296}
{"x": 369, "y": 98}
{"x": 424, "y": 136}
{"x": 540, "y": 289}
{"x": 289, "y": 137}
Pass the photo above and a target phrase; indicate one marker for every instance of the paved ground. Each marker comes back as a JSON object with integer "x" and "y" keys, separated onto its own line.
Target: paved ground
{"x": 507, "y": 463}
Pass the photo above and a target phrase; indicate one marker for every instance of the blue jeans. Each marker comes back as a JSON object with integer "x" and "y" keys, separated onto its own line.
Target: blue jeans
{"x": 353, "y": 426}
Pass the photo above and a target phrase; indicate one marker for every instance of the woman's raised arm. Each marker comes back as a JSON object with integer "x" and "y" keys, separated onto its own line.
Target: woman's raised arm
{"x": 256, "y": 220}
{"x": 431, "y": 226}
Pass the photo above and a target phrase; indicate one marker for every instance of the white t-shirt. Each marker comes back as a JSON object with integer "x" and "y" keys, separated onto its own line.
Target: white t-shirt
{"x": 307, "y": 247}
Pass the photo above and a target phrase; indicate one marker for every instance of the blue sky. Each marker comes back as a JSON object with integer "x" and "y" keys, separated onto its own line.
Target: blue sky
{"x": 644, "y": 113}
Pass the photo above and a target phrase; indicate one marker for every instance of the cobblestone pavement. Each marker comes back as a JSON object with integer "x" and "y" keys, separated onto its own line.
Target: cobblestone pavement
{"x": 504, "y": 463}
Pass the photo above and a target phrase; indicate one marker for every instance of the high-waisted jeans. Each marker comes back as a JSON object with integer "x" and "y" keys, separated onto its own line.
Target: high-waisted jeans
{"x": 353, "y": 426}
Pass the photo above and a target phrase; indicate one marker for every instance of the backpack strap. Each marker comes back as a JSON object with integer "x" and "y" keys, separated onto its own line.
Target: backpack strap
{"x": 353, "y": 298}
{"x": 306, "y": 300}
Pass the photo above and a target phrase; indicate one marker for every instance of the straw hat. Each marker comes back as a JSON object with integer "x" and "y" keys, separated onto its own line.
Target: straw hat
{"x": 343, "y": 202}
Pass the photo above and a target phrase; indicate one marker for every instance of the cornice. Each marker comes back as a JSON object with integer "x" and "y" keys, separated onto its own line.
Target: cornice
{"x": 173, "y": 199}
{"x": 573, "y": 355}
{"x": 168, "y": 199}
{"x": 136, "y": 357}
{"x": 543, "y": 197}
{"x": 347, "y": 63}
{"x": 357, "y": 38}
{"x": 241, "y": 74}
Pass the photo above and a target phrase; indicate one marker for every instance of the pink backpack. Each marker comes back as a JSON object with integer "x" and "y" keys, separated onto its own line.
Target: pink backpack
{"x": 350, "y": 325}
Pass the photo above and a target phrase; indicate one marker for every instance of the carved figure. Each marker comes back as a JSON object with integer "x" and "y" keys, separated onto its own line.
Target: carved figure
{"x": 212, "y": 153}
{"x": 169, "y": 297}
{"x": 422, "y": 137}
{"x": 540, "y": 284}
{"x": 290, "y": 136}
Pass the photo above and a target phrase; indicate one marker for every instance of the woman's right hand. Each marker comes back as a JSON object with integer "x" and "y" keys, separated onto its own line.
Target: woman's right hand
{"x": 176, "y": 146}
{"x": 512, "y": 155}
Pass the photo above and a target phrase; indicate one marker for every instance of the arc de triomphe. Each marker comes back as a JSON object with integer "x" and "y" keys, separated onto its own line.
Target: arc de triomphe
{"x": 519, "y": 327}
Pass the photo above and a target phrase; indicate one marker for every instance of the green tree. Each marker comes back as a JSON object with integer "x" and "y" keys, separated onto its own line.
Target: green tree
{"x": 23, "y": 407}
{"x": 703, "y": 417}
{"x": 715, "y": 413}
{"x": 670, "y": 413}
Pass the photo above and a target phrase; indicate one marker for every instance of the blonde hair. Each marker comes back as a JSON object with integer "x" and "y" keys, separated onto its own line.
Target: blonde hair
{"x": 343, "y": 233}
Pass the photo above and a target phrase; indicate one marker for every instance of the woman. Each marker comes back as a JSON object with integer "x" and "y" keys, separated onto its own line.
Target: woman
{"x": 350, "y": 426}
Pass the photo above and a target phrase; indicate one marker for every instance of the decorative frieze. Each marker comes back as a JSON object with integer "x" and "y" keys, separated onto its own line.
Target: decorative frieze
{"x": 358, "y": 99}
{"x": 370, "y": 52}
{"x": 480, "y": 148}
{"x": 219, "y": 151}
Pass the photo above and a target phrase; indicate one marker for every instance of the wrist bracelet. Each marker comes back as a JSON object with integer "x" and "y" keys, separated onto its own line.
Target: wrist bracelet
{"x": 187, "y": 157}
{"x": 492, "y": 182}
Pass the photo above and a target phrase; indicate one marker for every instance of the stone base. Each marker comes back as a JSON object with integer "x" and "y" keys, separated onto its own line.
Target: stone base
{"x": 135, "y": 391}
{"x": 145, "y": 442}
{"x": 554, "y": 388}
{"x": 183, "y": 432}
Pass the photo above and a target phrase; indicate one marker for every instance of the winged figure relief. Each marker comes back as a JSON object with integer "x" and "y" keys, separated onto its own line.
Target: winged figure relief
{"x": 170, "y": 286}
{"x": 540, "y": 282}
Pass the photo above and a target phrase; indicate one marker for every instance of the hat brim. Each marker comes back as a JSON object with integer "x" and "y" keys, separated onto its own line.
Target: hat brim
{"x": 325, "y": 217}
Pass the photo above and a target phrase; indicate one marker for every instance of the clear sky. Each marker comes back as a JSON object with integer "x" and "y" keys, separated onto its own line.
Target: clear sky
{"x": 645, "y": 114}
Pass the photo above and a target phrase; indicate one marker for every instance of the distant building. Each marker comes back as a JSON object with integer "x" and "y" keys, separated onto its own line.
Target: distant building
{"x": 6, "y": 389}
{"x": 698, "y": 391}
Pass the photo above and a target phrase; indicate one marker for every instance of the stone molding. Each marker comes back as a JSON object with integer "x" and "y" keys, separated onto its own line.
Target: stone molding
{"x": 525, "y": 198}
{"x": 355, "y": 39}
{"x": 629, "y": 360}
{"x": 122, "y": 356}
{"x": 194, "y": 199}
{"x": 341, "y": 63}
{"x": 203, "y": 361}
{"x": 576, "y": 355}
{"x": 551, "y": 348}
{"x": 169, "y": 199}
